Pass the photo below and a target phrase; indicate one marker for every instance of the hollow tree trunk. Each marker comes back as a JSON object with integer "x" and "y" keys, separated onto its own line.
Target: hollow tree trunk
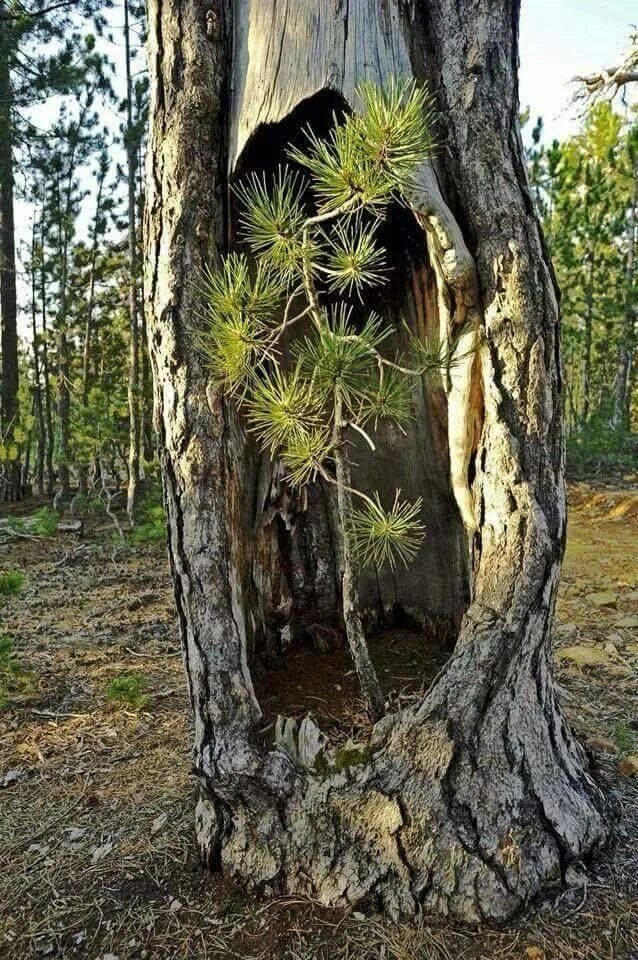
{"x": 471, "y": 800}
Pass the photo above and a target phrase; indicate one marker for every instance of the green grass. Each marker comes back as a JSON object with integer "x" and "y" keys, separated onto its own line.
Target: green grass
{"x": 44, "y": 523}
{"x": 128, "y": 689}
{"x": 11, "y": 583}
{"x": 151, "y": 520}
{"x": 152, "y": 526}
{"x": 15, "y": 681}
{"x": 599, "y": 450}
{"x": 624, "y": 737}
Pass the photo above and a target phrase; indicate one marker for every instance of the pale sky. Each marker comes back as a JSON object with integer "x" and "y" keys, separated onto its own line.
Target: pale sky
{"x": 561, "y": 38}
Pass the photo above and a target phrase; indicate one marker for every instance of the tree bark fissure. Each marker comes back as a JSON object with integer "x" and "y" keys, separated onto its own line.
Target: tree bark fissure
{"x": 472, "y": 799}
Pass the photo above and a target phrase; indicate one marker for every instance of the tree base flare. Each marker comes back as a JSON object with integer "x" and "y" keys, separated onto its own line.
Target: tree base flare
{"x": 434, "y": 820}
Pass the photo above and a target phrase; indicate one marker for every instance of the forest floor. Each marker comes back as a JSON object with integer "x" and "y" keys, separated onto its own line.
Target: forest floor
{"x": 97, "y": 852}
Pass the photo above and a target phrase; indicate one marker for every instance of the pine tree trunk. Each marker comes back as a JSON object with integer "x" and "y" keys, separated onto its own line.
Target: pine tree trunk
{"x": 48, "y": 406}
{"x": 134, "y": 346}
{"x": 622, "y": 393}
{"x": 588, "y": 335}
{"x": 468, "y": 802}
{"x": 38, "y": 406}
{"x": 10, "y": 487}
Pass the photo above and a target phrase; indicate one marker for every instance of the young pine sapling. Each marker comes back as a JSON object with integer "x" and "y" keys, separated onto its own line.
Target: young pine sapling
{"x": 307, "y": 376}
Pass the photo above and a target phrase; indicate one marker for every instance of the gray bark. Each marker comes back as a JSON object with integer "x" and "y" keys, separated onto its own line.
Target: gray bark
{"x": 10, "y": 487}
{"x": 38, "y": 406}
{"x": 48, "y": 407}
{"x": 468, "y": 802}
{"x": 134, "y": 348}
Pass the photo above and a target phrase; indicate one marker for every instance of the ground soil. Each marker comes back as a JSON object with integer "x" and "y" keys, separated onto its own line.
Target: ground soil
{"x": 97, "y": 853}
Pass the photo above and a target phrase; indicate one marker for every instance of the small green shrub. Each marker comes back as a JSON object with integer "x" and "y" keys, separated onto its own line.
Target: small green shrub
{"x": 598, "y": 450}
{"x": 152, "y": 528}
{"x": 11, "y": 583}
{"x": 129, "y": 689}
{"x": 624, "y": 737}
{"x": 44, "y": 523}
{"x": 15, "y": 681}
{"x": 151, "y": 525}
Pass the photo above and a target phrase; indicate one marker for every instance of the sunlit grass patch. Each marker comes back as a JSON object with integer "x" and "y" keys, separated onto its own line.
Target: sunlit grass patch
{"x": 11, "y": 583}
{"x": 15, "y": 681}
{"x": 128, "y": 689}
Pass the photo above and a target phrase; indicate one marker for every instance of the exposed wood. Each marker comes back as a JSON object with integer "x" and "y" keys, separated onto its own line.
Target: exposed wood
{"x": 71, "y": 527}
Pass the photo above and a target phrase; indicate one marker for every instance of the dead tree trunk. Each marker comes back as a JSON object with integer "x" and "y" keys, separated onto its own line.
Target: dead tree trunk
{"x": 471, "y": 800}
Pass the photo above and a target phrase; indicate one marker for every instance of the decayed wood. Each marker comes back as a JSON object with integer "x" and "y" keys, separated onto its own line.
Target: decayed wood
{"x": 469, "y": 801}
{"x": 284, "y": 54}
{"x": 335, "y": 46}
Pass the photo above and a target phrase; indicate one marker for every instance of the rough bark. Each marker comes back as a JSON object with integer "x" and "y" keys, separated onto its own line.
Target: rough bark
{"x": 38, "y": 406}
{"x": 10, "y": 488}
{"x": 48, "y": 407}
{"x": 134, "y": 346}
{"x": 468, "y": 802}
{"x": 97, "y": 233}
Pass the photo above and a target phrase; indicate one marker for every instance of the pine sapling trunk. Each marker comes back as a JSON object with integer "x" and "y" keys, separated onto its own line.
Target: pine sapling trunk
{"x": 363, "y": 665}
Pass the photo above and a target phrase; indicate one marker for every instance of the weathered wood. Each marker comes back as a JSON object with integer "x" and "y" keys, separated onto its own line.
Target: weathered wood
{"x": 469, "y": 801}
{"x": 71, "y": 527}
{"x": 285, "y": 56}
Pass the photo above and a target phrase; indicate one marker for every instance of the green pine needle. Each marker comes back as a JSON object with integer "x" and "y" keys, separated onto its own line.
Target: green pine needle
{"x": 233, "y": 351}
{"x": 338, "y": 356}
{"x": 389, "y": 398}
{"x": 341, "y": 174}
{"x": 353, "y": 258}
{"x": 394, "y": 129}
{"x": 304, "y": 455}
{"x": 272, "y": 220}
{"x": 282, "y": 409}
{"x": 434, "y": 356}
{"x": 375, "y": 152}
{"x": 379, "y": 536}
{"x": 232, "y": 291}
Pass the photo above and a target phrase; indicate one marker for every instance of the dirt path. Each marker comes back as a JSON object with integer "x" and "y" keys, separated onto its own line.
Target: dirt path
{"x": 96, "y": 800}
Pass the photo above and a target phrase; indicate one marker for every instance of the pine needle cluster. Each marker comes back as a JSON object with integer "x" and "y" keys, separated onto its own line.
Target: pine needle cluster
{"x": 313, "y": 232}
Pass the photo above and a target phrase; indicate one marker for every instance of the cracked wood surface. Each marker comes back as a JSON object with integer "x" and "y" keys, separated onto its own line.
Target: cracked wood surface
{"x": 473, "y": 799}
